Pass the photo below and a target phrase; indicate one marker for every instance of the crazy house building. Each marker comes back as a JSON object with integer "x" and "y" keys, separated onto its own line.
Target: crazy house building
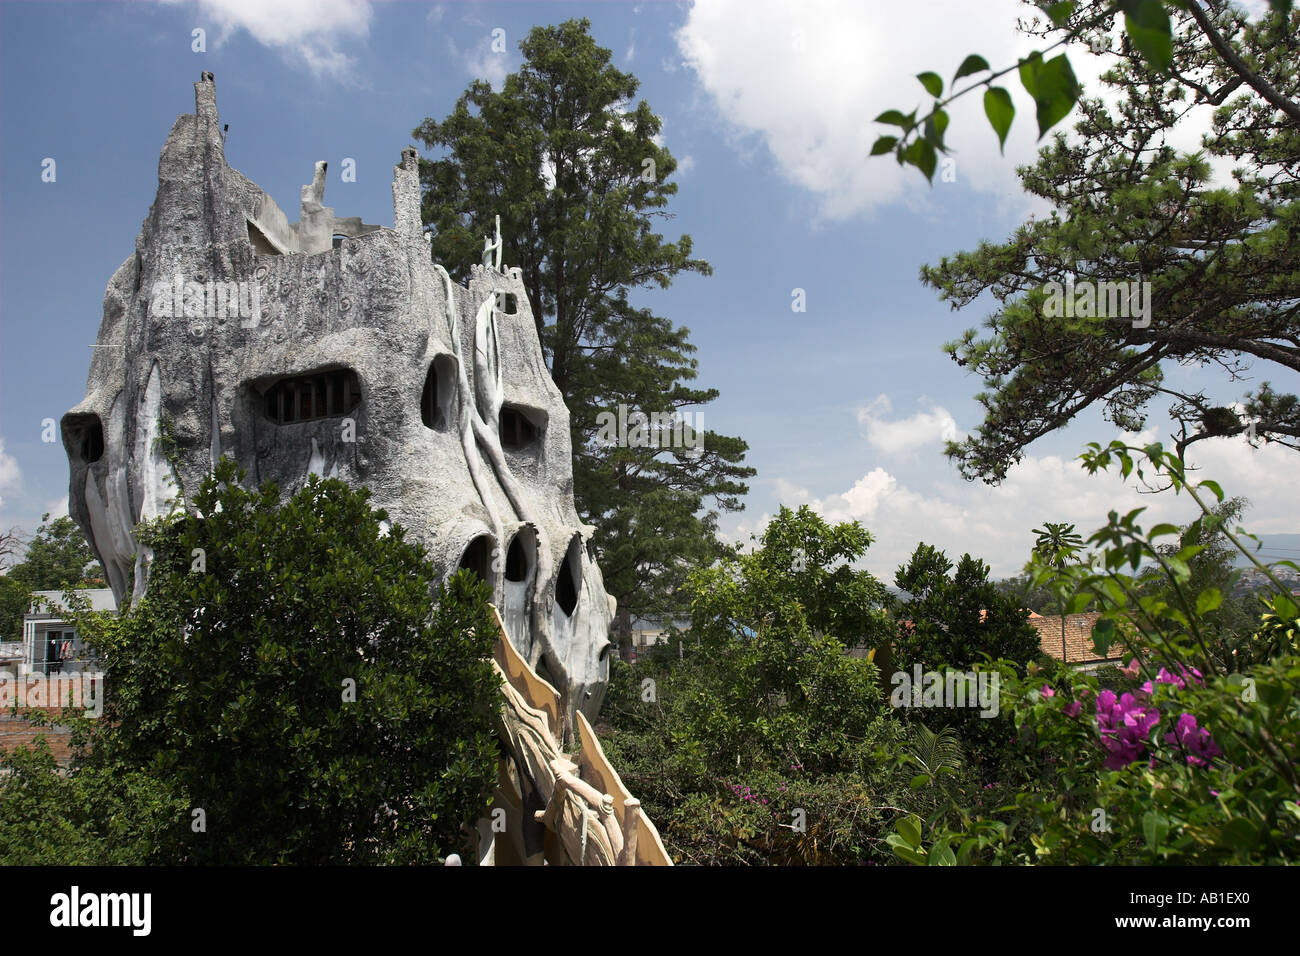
{"x": 333, "y": 347}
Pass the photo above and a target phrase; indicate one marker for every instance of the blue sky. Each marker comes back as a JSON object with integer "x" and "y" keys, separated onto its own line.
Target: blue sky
{"x": 767, "y": 107}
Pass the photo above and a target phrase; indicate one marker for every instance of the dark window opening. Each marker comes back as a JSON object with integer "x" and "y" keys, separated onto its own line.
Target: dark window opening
{"x": 507, "y": 304}
{"x": 566, "y": 586}
{"x": 436, "y": 398}
{"x": 338, "y": 241}
{"x": 478, "y": 557}
{"x": 517, "y": 560}
{"x": 430, "y": 413}
{"x": 329, "y": 394}
{"x": 83, "y": 437}
{"x": 517, "y": 429}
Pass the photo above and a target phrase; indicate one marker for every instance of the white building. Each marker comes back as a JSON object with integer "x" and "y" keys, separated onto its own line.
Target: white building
{"x": 51, "y": 644}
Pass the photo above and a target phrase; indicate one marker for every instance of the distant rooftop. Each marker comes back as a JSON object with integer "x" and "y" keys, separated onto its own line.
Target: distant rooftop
{"x": 100, "y": 599}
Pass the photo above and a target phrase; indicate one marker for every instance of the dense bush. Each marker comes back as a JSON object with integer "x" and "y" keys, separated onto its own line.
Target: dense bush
{"x": 295, "y": 681}
{"x": 757, "y": 739}
{"x": 1196, "y": 764}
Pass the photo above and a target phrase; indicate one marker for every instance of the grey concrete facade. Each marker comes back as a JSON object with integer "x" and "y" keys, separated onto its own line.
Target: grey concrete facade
{"x": 338, "y": 348}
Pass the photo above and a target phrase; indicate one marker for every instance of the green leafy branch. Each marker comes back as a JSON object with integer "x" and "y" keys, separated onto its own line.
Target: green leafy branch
{"x": 1052, "y": 83}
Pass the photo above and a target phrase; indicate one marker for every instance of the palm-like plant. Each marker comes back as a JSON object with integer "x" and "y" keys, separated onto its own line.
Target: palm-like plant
{"x": 933, "y": 753}
{"x": 1056, "y": 544}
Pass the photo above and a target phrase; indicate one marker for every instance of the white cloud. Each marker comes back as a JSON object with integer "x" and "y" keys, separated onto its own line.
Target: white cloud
{"x": 482, "y": 62}
{"x": 806, "y": 78}
{"x": 995, "y": 523}
{"x": 905, "y": 435}
{"x": 685, "y": 164}
{"x": 309, "y": 31}
{"x": 1254, "y": 8}
{"x": 11, "y": 478}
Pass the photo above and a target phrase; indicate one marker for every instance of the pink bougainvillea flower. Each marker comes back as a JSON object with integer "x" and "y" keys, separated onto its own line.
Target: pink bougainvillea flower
{"x": 1180, "y": 679}
{"x": 1073, "y": 708}
{"x": 1124, "y": 723}
{"x": 1195, "y": 741}
{"x": 1131, "y": 669}
{"x": 1047, "y": 691}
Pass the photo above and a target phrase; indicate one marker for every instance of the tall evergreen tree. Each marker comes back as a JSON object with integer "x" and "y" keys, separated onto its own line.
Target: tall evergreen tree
{"x": 570, "y": 163}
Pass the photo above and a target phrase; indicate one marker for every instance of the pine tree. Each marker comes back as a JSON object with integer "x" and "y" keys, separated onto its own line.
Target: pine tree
{"x": 571, "y": 165}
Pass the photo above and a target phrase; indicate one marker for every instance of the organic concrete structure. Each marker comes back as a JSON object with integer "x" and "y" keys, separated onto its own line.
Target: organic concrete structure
{"x": 333, "y": 347}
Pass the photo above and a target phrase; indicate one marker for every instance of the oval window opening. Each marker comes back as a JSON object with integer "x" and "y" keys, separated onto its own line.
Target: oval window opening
{"x": 83, "y": 437}
{"x": 436, "y": 398}
{"x": 430, "y": 413}
{"x": 517, "y": 560}
{"x": 566, "y": 586}
{"x": 517, "y": 428}
{"x": 478, "y": 557}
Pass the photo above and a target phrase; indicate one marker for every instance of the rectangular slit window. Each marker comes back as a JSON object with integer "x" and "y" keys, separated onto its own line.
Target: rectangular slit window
{"x": 324, "y": 395}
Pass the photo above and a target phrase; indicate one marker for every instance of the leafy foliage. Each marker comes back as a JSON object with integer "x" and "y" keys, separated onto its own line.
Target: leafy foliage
{"x": 89, "y": 817}
{"x": 57, "y": 557}
{"x": 290, "y": 674}
{"x": 960, "y": 618}
{"x": 1149, "y": 39}
{"x": 758, "y": 739}
{"x": 15, "y": 599}
{"x": 1197, "y": 765}
{"x": 1219, "y": 264}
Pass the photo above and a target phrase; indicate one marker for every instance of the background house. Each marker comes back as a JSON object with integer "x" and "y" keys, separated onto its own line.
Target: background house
{"x": 1078, "y": 640}
{"x": 50, "y": 643}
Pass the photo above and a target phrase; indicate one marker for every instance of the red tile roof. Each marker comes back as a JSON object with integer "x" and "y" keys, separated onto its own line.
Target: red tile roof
{"x": 1078, "y": 638}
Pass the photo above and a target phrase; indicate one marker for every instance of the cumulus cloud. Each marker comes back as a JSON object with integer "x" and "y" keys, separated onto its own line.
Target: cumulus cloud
{"x": 11, "y": 478}
{"x": 482, "y": 62}
{"x": 995, "y": 523}
{"x": 904, "y": 436}
{"x": 806, "y": 78}
{"x": 311, "y": 32}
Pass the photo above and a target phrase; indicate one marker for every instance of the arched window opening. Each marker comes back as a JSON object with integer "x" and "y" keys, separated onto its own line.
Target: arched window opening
{"x": 567, "y": 584}
{"x": 518, "y": 428}
{"x": 478, "y": 557}
{"x": 517, "y": 560}
{"x": 83, "y": 437}
{"x": 436, "y": 398}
